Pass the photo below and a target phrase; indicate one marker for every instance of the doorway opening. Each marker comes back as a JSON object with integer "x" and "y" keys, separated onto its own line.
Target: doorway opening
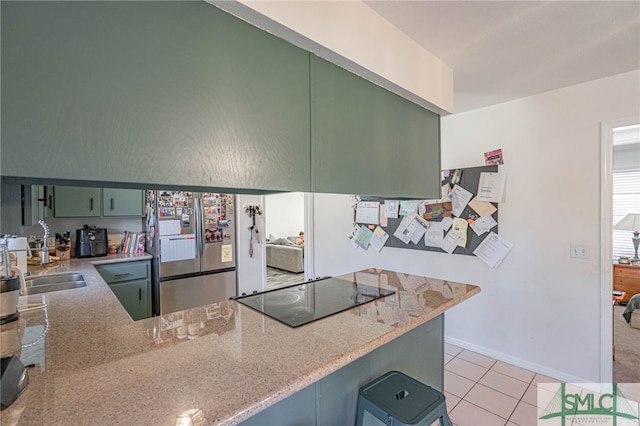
{"x": 620, "y": 360}
{"x": 287, "y": 239}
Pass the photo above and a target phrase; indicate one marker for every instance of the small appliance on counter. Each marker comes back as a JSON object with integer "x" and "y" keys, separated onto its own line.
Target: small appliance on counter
{"x": 9, "y": 287}
{"x": 91, "y": 242}
{"x": 13, "y": 380}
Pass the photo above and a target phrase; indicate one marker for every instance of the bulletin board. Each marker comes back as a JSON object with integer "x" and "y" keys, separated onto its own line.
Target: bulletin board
{"x": 469, "y": 180}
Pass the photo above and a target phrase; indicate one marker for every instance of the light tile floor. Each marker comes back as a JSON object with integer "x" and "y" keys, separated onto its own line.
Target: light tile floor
{"x": 481, "y": 391}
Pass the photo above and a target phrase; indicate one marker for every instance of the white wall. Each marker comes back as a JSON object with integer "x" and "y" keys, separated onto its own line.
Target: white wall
{"x": 336, "y": 30}
{"x": 284, "y": 214}
{"x": 541, "y": 308}
{"x": 251, "y": 270}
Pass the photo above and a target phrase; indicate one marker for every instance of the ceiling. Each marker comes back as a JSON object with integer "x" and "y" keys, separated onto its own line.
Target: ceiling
{"x": 504, "y": 50}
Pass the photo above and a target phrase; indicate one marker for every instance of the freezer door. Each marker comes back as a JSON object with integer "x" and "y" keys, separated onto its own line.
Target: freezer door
{"x": 187, "y": 293}
{"x": 218, "y": 231}
{"x": 177, "y": 216}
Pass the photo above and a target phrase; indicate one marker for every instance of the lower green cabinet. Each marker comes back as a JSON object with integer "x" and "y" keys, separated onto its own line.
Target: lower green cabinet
{"x": 135, "y": 296}
{"x": 131, "y": 283}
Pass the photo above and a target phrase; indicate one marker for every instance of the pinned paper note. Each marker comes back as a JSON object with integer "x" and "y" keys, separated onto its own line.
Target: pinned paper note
{"x": 446, "y": 223}
{"x": 460, "y": 227}
{"x": 408, "y": 207}
{"x": 436, "y": 210}
{"x": 368, "y": 212}
{"x": 493, "y": 158}
{"x": 364, "y": 237}
{"x": 391, "y": 208}
{"x": 434, "y": 235}
{"x": 491, "y": 187}
{"x": 483, "y": 224}
{"x": 450, "y": 242}
{"x": 461, "y": 198}
{"x": 482, "y": 207}
{"x": 493, "y": 249}
{"x": 378, "y": 239}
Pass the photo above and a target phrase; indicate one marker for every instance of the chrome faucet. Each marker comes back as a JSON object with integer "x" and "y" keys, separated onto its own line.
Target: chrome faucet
{"x": 44, "y": 252}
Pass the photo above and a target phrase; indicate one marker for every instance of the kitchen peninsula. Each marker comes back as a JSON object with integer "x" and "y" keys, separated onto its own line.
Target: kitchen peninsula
{"x": 96, "y": 366}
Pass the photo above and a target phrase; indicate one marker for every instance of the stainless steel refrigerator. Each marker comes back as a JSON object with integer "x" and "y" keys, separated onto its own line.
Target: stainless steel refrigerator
{"x": 192, "y": 238}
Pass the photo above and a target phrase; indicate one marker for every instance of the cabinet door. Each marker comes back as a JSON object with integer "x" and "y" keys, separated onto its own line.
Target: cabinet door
{"x": 71, "y": 201}
{"x": 164, "y": 92}
{"x": 367, "y": 140}
{"x": 135, "y": 297}
{"x": 121, "y": 202}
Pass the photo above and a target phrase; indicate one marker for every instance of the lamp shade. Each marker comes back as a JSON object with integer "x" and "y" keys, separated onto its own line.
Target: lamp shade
{"x": 631, "y": 222}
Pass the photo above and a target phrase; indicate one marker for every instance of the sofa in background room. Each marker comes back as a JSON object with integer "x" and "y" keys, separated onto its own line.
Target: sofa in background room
{"x": 283, "y": 253}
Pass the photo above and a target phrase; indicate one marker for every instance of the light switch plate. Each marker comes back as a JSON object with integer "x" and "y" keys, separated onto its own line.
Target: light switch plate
{"x": 579, "y": 251}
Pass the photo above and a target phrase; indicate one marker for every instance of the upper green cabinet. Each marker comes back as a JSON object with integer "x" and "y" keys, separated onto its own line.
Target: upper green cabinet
{"x": 162, "y": 93}
{"x": 367, "y": 140}
{"x": 71, "y": 201}
{"x": 121, "y": 202}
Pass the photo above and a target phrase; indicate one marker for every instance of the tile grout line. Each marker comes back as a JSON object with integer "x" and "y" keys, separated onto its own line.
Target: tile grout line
{"x": 508, "y": 419}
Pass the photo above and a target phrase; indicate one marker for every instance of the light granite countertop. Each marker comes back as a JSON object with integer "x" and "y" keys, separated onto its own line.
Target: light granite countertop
{"x": 94, "y": 365}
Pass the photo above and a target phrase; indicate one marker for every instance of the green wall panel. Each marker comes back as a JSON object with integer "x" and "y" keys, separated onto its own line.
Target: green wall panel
{"x": 166, "y": 93}
{"x": 367, "y": 140}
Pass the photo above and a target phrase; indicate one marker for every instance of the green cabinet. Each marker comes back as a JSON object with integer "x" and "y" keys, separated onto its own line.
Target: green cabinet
{"x": 169, "y": 93}
{"x": 367, "y": 140}
{"x": 131, "y": 284}
{"x": 121, "y": 202}
{"x": 72, "y": 201}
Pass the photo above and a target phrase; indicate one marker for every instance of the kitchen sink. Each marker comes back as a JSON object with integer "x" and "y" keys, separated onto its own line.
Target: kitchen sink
{"x": 48, "y": 283}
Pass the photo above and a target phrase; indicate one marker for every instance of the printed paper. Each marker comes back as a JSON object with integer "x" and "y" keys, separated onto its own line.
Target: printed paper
{"x": 227, "y": 253}
{"x": 408, "y": 207}
{"x": 434, "y": 235}
{"x": 391, "y": 208}
{"x": 352, "y": 236}
{"x": 483, "y": 224}
{"x": 493, "y": 249}
{"x": 491, "y": 187}
{"x": 401, "y": 232}
{"x": 364, "y": 237}
{"x": 177, "y": 247}
{"x": 493, "y": 158}
{"x": 460, "y": 227}
{"x": 169, "y": 227}
{"x": 436, "y": 210}
{"x": 461, "y": 198}
{"x": 378, "y": 239}
{"x": 368, "y": 212}
{"x": 450, "y": 242}
{"x": 446, "y": 223}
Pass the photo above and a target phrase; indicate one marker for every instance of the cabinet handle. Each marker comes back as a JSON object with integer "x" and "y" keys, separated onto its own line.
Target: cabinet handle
{"x": 126, "y": 274}
{"x": 91, "y": 204}
{"x": 139, "y": 294}
{"x": 112, "y": 208}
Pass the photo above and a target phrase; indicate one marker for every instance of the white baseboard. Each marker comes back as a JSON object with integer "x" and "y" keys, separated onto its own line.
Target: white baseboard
{"x": 500, "y": 356}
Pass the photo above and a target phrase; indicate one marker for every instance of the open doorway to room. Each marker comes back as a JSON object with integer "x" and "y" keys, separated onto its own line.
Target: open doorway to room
{"x": 286, "y": 239}
{"x": 625, "y": 200}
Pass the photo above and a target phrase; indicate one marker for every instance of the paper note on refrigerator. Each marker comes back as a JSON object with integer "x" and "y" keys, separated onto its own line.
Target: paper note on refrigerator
{"x": 227, "y": 253}
{"x": 169, "y": 227}
{"x": 177, "y": 247}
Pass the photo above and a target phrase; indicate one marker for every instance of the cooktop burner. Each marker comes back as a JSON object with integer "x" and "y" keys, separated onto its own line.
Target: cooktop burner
{"x": 301, "y": 304}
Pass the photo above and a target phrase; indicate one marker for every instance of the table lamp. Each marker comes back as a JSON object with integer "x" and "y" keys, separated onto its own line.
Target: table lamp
{"x": 631, "y": 222}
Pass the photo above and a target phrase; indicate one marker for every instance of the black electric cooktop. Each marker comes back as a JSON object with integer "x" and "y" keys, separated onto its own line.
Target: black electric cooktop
{"x": 301, "y": 304}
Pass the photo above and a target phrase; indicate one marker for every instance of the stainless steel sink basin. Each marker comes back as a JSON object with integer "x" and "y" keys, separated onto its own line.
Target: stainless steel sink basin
{"x": 48, "y": 283}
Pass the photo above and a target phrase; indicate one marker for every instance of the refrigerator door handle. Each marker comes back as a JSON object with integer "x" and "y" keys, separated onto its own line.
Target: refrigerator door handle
{"x": 199, "y": 216}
